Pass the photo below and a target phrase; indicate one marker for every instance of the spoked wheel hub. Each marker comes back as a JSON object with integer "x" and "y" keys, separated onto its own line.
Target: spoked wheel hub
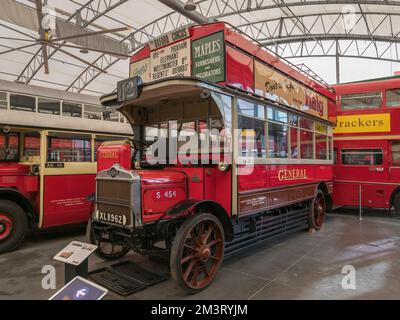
{"x": 318, "y": 211}
{"x": 199, "y": 253}
{"x": 5, "y": 226}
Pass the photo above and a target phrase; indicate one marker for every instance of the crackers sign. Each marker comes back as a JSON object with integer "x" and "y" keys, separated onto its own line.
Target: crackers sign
{"x": 171, "y": 61}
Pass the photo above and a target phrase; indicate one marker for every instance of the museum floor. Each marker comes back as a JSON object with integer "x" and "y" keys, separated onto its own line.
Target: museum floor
{"x": 302, "y": 266}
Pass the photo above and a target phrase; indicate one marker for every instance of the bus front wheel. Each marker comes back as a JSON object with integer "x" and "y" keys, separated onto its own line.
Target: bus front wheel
{"x": 317, "y": 211}
{"x": 197, "y": 252}
{"x": 13, "y": 226}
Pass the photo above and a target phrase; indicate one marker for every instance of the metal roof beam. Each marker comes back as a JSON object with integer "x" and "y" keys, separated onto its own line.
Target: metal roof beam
{"x": 91, "y": 11}
{"x": 178, "y": 6}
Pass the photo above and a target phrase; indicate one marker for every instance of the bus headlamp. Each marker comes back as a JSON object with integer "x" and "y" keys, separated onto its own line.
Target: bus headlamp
{"x": 222, "y": 166}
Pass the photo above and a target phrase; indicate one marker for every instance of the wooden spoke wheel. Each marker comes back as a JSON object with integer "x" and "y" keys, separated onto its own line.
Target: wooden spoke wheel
{"x": 317, "y": 211}
{"x": 108, "y": 248}
{"x": 197, "y": 252}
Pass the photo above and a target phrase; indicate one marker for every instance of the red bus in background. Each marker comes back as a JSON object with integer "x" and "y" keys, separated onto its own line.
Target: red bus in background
{"x": 48, "y": 144}
{"x": 210, "y": 76}
{"x": 367, "y": 144}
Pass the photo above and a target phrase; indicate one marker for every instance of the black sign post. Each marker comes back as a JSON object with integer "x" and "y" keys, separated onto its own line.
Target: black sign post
{"x": 72, "y": 271}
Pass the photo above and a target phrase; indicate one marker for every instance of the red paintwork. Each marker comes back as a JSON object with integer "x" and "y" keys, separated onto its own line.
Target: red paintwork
{"x": 155, "y": 183}
{"x": 13, "y": 169}
{"x": 112, "y": 154}
{"x": 240, "y": 70}
{"x": 267, "y": 176}
{"x": 377, "y": 187}
{"x": 65, "y": 199}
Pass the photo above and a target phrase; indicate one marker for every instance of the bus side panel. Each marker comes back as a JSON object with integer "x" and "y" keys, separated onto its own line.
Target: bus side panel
{"x": 218, "y": 187}
{"x": 65, "y": 199}
{"x": 273, "y": 186}
{"x": 276, "y": 175}
{"x": 372, "y": 195}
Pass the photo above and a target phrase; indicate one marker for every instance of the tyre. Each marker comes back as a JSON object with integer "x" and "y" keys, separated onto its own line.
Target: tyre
{"x": 197, "y": 252}
{"x": 108, "y": 249}
{"x": 13, "y": 225}
{"x": 317, "y": 211}
{"x": 396, "y": 204}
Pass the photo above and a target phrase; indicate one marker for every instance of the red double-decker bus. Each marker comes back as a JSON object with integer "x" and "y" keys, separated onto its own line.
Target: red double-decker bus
{"x": 367, "y": 144}
{"x": 263, "y": 168}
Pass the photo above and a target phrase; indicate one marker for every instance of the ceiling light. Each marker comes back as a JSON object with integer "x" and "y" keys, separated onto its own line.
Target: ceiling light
{"x": 190, "y": 5}
{"x": 84, "y": 51}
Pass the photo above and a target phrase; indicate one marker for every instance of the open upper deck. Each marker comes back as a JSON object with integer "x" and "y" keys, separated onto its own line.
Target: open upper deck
{"x": 220, "y": 54}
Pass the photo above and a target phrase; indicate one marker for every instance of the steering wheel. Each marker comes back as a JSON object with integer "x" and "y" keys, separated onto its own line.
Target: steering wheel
{"x": 140, "y": 145}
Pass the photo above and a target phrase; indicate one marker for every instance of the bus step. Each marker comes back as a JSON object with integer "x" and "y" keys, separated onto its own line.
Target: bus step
{"x": 268, "y": 228}
{"x": 126, "y": 278}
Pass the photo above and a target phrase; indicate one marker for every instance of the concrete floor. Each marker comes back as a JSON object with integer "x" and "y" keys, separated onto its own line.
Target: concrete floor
{"x": 302, "y": 266}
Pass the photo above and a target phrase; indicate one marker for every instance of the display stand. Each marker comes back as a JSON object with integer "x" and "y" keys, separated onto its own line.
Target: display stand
{"x": 76, "y": 259}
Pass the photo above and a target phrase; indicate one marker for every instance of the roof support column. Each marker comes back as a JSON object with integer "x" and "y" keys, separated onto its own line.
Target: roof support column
{"x": 337, "y": 62}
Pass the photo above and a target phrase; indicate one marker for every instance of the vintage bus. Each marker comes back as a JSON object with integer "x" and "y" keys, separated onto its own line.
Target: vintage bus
{"x": 367, "y": 144}
{"x": 48, "y": 143}
{"x": 261, "y": 166}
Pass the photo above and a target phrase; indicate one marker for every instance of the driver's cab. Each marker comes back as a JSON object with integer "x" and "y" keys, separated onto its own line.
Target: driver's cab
{"x": 182, "y": 123}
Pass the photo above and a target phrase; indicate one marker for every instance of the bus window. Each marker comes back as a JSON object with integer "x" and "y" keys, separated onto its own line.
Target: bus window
{"x": 368, "y": 100}
{"x": 252, "y": 137}
{"x": 362, "y": 157}
{"x": 111, "y": 116}
{"x": 49, "y": 106}
{"x": 294, "y": 136}
{"x": 31, "y": 144}
{"x": 277, "y": 133}
{"x": 330, "y": 148}
{"x": 396, "y": 153}
{"x": 22, "y": 103}
{"x": 69, "y": 148}
{"x": 321, "y": 141}
{"x": 72, "y": 109}
{"x": 3, "y": 100}
{"x": 9, "y": 147}
{"x": 393, "y": 98}
{"x": 335, "y": 156}
{"x": 92, "y": 112}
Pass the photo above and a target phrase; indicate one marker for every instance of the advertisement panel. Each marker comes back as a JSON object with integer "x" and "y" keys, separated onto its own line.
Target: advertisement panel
{"x": 208, "y": 56}
{"x": 275, "y": 86}
{"x": 171, "y": 61}
{"x": 363, "y": 123}
{"x": 141, "y": 69}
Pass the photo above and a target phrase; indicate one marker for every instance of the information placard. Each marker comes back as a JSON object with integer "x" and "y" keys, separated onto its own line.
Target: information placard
{"x": 75, "y": 253}
{"x": 208, "y": 56}
{"x": 80, "y": 289}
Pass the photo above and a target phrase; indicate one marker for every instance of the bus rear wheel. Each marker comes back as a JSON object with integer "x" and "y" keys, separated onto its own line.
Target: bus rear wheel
{"x": 317, "y": 212}
{"x": 197, "y": 252}
{"x": 13, "y": 226}
{"x": 107, "y": 249}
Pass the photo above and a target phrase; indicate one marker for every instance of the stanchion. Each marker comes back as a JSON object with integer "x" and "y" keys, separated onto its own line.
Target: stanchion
{"x": 360, "y": 205}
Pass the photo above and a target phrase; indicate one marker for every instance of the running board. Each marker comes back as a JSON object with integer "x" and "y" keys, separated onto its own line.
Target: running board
{"x": 267, "y": 228}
